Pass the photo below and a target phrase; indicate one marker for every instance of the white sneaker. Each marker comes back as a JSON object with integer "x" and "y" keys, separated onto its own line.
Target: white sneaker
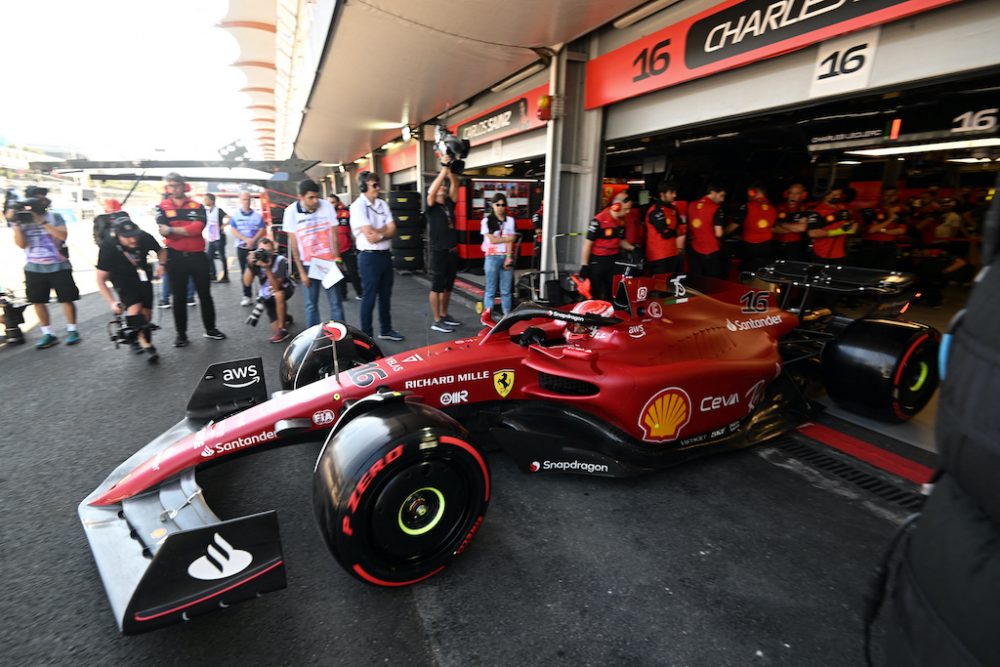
{"x": 245, "y": 301}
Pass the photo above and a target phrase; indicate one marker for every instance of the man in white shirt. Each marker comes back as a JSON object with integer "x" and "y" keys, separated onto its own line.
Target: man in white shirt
{"x": 310, "y": 223}
{"x": 373, "y": 226}
{"x": 215, "y": 238}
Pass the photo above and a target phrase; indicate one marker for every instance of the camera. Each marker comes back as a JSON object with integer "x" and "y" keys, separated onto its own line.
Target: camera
{"x": 262, "y": 255}
{"x": 13, "y": 315}
{"x": 258, "y": 310}
{"x": 446, "y": 143}
{"x": 125, "y": 330}
{"x": 23, "y": 209}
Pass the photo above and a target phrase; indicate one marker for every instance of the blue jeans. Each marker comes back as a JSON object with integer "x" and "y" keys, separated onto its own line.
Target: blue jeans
{"x": 165, "y": 289}
{"x": 497, "y": 276}
{"x": 312, "y": 301}
{"x": 376, "y": 281}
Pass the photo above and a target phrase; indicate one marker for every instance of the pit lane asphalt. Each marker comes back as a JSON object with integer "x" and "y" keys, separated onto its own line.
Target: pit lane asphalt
{"x": 730, "y": 560}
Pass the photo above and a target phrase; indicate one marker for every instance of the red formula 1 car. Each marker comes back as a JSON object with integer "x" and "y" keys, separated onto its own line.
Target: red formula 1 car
{"x": 665, "y": 373}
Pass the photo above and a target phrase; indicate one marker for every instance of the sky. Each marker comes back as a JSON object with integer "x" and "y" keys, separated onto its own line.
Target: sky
{"x": 121, "y": 79}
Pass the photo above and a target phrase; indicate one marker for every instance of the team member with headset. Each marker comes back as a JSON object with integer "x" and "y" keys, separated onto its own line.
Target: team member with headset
{"x": 372, "y": 225}
{"x": 181, "y": 221}
{"x": 604, "y": 242}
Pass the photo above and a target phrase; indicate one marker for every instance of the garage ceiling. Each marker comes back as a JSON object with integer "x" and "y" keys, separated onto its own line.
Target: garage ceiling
{"x": 389, "y": 63}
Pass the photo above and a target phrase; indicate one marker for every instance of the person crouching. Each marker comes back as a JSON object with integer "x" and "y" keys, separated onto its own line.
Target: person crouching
{"x": 275, "y": 287}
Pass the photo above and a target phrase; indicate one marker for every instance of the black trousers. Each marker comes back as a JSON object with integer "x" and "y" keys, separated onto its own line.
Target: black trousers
{"x": 241, "y": 257}
{"x": 351, "y": 274}
{"x": 705, "y": 265}
{"x": 180, "y": 267}
{"x": 602, "y": 269}
{"x": 213, "y": 250}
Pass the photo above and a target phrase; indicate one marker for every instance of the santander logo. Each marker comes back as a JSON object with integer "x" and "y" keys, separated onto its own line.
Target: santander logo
{"x": 221, "y": 560}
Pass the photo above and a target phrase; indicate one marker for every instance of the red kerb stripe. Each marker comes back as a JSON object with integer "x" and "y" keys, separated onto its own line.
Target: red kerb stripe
{"x": 869, "y": 453}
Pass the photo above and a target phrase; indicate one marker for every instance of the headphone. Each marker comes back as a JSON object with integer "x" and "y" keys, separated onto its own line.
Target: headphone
{"x": 363, "y": 179}
{"x": 616, "y": 207}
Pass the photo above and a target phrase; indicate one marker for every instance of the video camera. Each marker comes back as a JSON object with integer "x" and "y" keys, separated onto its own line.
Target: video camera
{"x": 446, "y": 143}
{"x": 125, "y": 330}
{"x": 25, "y": 207}
{"x": 262, "y": 255}
{"x": 13, "y": 314}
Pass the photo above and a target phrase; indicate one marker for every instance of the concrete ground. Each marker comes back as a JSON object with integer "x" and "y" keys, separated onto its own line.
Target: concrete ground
{"x": 750, "y": 558}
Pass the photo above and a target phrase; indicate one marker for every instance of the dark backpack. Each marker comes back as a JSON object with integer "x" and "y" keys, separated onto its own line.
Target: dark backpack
{"x": 104, "y": 225}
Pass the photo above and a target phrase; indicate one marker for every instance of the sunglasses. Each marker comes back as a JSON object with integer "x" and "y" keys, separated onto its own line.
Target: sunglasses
{"x": 499, "y": 203}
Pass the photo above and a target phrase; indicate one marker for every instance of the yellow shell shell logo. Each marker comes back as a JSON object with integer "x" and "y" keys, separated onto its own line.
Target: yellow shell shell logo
{"x": 696, "y": 223}
{"x": 665, "y": 414}
{"x": 762, "y": 224}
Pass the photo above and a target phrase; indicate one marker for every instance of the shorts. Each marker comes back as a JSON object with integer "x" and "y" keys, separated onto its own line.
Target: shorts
{"x": 38, "y": 286}
{"x": 272, "y": 306}
{"x": 444, "y": 266}
{"x": 136, "y": 292}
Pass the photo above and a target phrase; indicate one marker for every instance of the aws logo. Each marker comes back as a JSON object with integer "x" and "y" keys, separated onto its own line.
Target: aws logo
{"x": 237, "y": 378}
{"x": 665, "y": 415}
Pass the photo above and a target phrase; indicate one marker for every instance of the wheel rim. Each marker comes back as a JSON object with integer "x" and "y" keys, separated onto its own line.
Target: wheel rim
{"x": 916, "y": 383}
{"x": 418, "y": 513}
{"x": 421, "y": 511}
{"x": 921, "y": 376}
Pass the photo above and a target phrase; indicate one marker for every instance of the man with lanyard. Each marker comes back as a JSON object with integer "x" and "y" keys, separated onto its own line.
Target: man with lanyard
{"x": 348, "y": 253}
{"x": 247, "y": 225}
{"x": 883, "y": 229}
{"x": 310, "y": 224}
{"x": 275, "y": 287}
{"x": 181, "y": 221}
{"x": 604, "y": 242}
{"x": 372, "y": 225}
{"x": 444, "y": 245}
{"x": 791, "y": 223}
{"x": 47, "y": 267}
{"x": 665, "y": 233}
{"x": 756, "y": 218}
{"x": 123, "y": 259}
{"x": 215, "y": 239}
{"x": 706, "y": 220}
{"x": 829, "y": 226}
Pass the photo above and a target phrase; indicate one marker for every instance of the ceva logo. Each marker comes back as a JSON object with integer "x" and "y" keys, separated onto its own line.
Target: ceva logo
{"x": 237, "y": 378}
{"x": 221, "y": 560}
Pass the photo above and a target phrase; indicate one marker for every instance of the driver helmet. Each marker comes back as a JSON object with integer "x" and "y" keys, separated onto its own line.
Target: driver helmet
{"x": 576, "y": 333}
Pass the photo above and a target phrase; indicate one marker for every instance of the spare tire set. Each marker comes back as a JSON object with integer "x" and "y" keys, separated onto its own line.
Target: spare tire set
{"x": 408, "y": 243}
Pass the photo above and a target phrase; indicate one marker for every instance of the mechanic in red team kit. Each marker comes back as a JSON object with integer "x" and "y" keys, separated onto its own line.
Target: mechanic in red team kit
{"x": 756, "y": 218}
{"x": 665, "y": 232}
{"x": 829, "y": 226}
{"x": 604, "y": 243}
{"x": 181, "y": 221}
{"x": 790, "y": 225}
{"x": 884, "y": 226}
{"x": 706, "y": 220}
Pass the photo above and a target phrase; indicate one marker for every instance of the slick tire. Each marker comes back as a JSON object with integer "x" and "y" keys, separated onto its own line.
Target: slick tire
{"x": 411, "y": 221}
{"x": 320, "y": 350}
{"x": 399, "y": 492}
{"x": 883, "y": 369}
{"x": 408, "y": 241}
{"x": 408, "y": 260}
{"x": 400, "y": 201}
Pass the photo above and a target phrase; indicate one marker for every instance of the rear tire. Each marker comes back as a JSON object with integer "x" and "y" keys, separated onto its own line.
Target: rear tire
{"x": 883, "y": 369}
{"x": 399, "y": 492}
{"x": 403, "y": 200}
{"x": 408, "y": 260}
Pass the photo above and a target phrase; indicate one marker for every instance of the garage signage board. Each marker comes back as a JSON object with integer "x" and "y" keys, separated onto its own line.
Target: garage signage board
{"x": 844, "y": 64}
{"x": 504, "y": 120}
{"x": 730, "y": 35}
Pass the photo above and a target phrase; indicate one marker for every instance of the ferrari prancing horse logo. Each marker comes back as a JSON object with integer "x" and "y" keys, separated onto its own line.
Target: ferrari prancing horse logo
{"x": 503, "y": 381}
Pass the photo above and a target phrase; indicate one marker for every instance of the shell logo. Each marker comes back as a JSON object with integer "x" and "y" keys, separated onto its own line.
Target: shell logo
{"x": 696, "y": 223}
{"x": 762, "y": 223}
{"x": 665, "y": 414}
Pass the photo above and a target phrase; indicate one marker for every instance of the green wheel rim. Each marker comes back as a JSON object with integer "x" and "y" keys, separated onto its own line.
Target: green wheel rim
{"x": 921, "y": 378}
{"x": 415, "y": 509}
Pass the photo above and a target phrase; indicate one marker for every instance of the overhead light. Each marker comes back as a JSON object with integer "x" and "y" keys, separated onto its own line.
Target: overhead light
{"x": 509, "y": 165}
{"x": 921, "y": 148}
{"x": 517, "y": 78}
{"x": 971, "y": 160}
{"x": 407, "y": 133}
{"x": 642, "y": 12}
{"x": 387, "y": 145}
{"x": 329, "y": 164}
{"x": 849, "y": 162}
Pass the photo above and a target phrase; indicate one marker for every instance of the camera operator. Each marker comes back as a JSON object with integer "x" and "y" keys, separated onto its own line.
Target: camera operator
{"x": 440, "y": 214}
{"x": 123, "y": 259}
{"x": 275, "y": 287}
{"x": 42, "y": 235}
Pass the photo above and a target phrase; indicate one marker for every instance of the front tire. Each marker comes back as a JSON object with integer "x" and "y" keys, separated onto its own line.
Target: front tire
{"x": 399, "y": 492}
{"x": 883, "y": 369}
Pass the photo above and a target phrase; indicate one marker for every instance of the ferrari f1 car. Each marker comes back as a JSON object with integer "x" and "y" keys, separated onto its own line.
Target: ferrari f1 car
{"x": 664, "y": 373}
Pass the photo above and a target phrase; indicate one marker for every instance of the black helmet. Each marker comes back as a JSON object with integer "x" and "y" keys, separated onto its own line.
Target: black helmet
{"x": 325, "y": 349}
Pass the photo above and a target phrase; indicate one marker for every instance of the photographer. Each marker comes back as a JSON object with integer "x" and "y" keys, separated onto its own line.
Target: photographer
{"x": 123, "y": 259}
{"x": 275, "y": 287}
{"x": 42, "y": 235}
{"x": 440, "y": 214}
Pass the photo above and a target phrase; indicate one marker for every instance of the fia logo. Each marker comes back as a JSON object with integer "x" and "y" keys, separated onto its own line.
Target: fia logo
{"x": 237, "y": 378}
{"x": 221, "y": 560}
{"x": 322, "y": 417}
